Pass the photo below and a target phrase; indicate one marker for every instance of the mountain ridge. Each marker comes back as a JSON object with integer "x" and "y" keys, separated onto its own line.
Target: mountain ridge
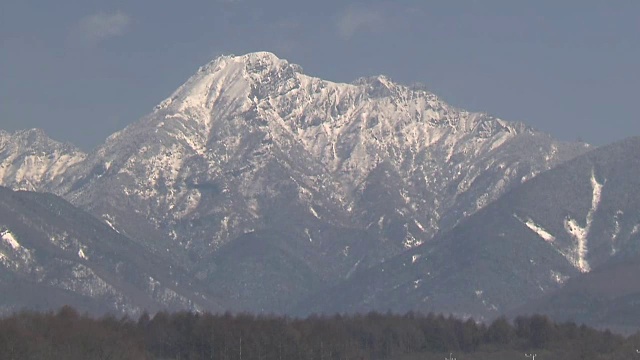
{"x": 61, "y": 254}
{"x": 32, "y": 161}
{"x": 345, "y": 175}
{"x": 550, "y": 245}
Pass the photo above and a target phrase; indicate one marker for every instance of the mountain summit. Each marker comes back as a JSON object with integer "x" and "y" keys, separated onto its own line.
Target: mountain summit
{"x": 30, "y": 160}
{"x": 325, "y": 179}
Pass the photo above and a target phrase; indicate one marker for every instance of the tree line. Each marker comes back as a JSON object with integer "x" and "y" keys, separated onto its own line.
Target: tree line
{"x": 67, "y": 334}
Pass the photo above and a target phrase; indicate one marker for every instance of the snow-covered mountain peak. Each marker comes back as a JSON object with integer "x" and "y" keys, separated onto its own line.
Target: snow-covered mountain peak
{"x": 257, "y": 67}
{"x": 348, "y": 128}
{"x": 33, "y": 161}
{"x": 376, "y": 80}
{"x": 254, "y": 61}
{"x": 258, "y": 62}
{"x": 224, "y": 89}
{"x": 269, "y": 86}
{"x": 35, "y": 138}
{"x": 250, "y": 146}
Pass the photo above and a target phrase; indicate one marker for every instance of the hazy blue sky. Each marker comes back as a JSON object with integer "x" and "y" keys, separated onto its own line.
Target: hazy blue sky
{"x": 81, "y": 69}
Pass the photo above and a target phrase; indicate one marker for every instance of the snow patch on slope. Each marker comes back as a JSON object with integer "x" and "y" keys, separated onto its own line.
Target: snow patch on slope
{"x": 15, "y": 256}
{"x": 83, "y": 280}
{"x": 10, "y": 239}
{"x": 353, "y": 269}
{"x": 485, "y": 303}
{"x": 410, "y": 241}
{"x": 542, "y": 232}
{"x": 616, "y": 231}
{"x": 314, "y": 212}
{"x": 577, "y": 256}
{"x": 419, "y": 225}
{"x": 109, "y": 220}
{"x": 558, "y": 277}
{"x": 167, "y": 296}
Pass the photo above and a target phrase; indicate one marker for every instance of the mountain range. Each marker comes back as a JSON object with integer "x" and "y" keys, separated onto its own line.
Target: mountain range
{"x": 54, "y": 254}
{"x": 275, "y": 191}
{"x": 553, "y": 229}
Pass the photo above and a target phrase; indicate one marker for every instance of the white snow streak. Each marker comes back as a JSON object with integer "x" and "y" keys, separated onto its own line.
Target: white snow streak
{"x": 10, "y": 239}
{"x": 616, "y": 231}
{"x": 419, "y": 225}
{"x": 542, "y": 232}
{"x": 578, "y": 255}
{"x": 353, "y": 269}
{"x": 108, "y": 219}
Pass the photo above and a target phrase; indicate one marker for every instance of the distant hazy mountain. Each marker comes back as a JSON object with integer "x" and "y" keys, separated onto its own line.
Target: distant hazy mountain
{"x": 52, "y": 254}
{"x": 29, "y": 160}
{"x": 256, "y": 177}
{"x": 582, "y": 215}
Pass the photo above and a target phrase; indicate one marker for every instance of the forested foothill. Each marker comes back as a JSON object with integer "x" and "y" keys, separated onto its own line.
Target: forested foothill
{"x": 67, "y": 334}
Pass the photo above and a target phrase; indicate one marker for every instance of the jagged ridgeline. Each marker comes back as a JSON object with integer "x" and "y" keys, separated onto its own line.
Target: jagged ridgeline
{"x": 267, "y": 185}
{"x": 575, "y": 228}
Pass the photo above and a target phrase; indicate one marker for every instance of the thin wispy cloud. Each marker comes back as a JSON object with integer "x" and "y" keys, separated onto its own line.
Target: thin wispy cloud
{"x": 102, "y": 26}
{"x": 359, "y": 18}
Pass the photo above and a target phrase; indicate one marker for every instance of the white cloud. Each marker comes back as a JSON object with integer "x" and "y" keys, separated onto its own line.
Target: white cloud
{"x": 98, "y": 27}
{"x": 359, "y": 18}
